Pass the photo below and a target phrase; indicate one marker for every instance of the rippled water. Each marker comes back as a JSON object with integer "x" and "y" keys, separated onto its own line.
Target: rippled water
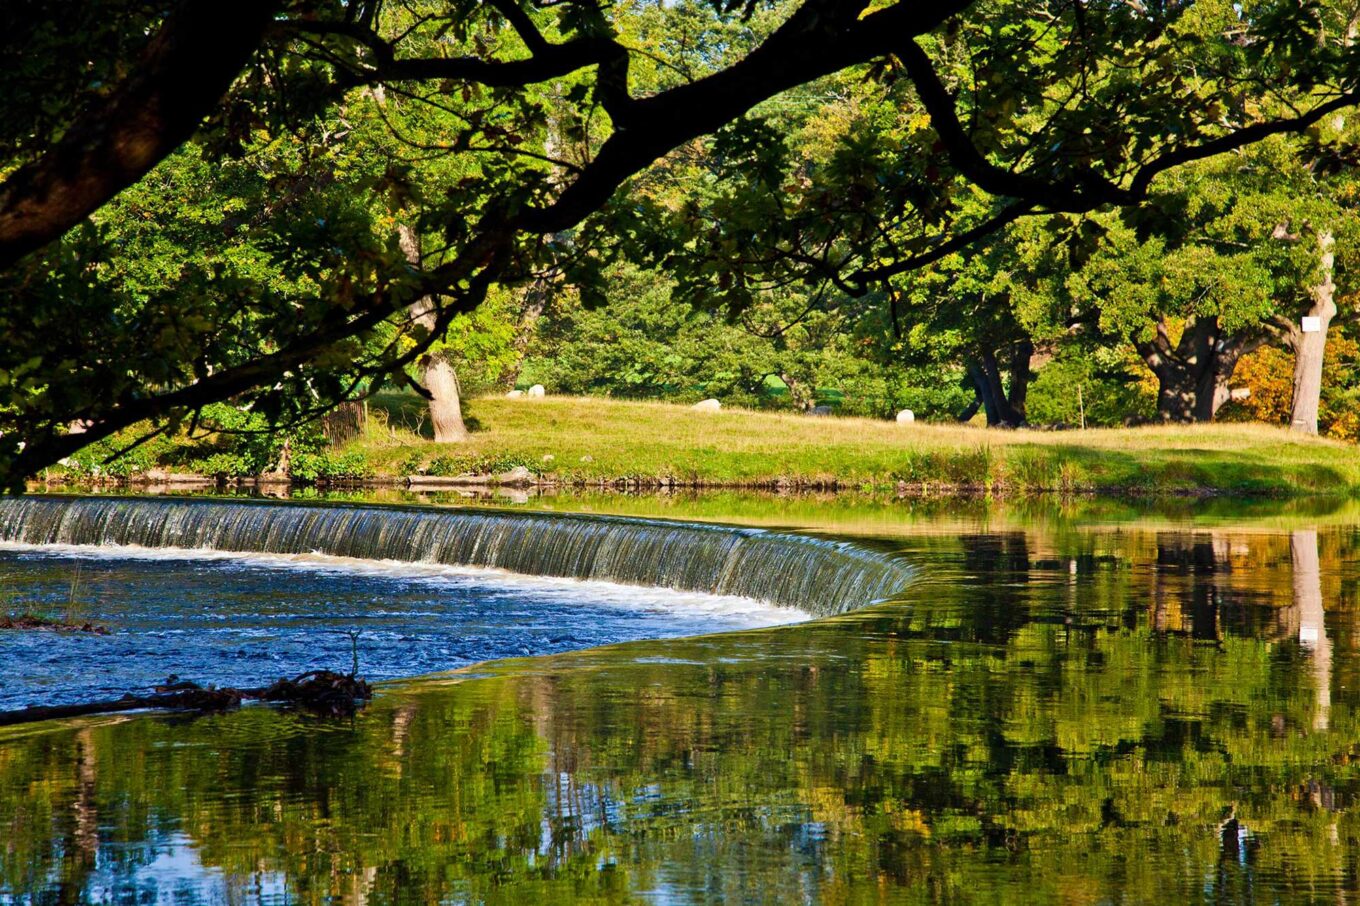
{"x": 1056, "y": 712}
{"x": 246, "y": 620}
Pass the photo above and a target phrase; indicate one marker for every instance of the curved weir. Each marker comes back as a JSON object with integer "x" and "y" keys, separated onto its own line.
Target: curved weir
{"x": 816, "y": 575}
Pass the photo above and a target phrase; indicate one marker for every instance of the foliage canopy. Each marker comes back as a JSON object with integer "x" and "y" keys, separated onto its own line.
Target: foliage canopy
{"x": 541, "y": 142}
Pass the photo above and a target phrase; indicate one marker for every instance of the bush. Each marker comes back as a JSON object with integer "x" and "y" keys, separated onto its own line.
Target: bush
{"x": 103, "y": 458}
{"x": 326, "y": 465}
{"x": 223, "y": 465}
{"x": 243, "y": 444}
{"x": 452, "y": 465}
{"x": 1105, "y": 383}
{"x": 411, "y": 465}
{"x": 240, "y": 445}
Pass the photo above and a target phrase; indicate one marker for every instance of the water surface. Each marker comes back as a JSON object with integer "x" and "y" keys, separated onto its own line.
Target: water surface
{"x": 1055, "y": 712}
{"x": 242, "y": 620}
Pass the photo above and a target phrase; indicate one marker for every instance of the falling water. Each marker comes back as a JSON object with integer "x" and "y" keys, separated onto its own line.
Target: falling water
{"x": 817, "y": 575}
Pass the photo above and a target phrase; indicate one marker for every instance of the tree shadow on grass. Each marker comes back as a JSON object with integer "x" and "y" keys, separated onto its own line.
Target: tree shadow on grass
{"x": 411, "y": 412}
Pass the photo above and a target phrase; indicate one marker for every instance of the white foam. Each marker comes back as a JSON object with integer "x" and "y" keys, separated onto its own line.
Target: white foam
{"x": 732, "y": 610}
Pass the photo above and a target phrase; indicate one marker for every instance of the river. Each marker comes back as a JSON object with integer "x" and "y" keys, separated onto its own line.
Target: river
{"x": 1097, "y": 702}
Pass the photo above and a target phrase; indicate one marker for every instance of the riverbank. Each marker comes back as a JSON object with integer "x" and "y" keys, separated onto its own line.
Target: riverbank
{"x": 576, "y": 441}
{"x": 591, "y": 442}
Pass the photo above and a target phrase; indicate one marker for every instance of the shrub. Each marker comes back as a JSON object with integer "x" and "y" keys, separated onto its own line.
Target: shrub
{"x": 452, "y": 465}
{"x": 1105, "y": 384}
{"x": 330, "y": 466}
{"x": 119, "y": 456}
{"x": 411, "y": 465}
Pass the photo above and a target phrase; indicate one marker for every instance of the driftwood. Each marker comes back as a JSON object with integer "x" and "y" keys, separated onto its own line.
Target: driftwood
{"x": 30, "y": 621}
{"x": 321, "y": 691}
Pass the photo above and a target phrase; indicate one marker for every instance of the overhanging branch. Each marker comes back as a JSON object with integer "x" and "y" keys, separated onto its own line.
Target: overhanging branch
{"x": 548, "y": 60}
{"x": 177, "y": 82}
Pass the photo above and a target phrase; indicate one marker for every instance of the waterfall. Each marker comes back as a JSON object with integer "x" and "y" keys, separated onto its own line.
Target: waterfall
{"x": 816, "y": 575}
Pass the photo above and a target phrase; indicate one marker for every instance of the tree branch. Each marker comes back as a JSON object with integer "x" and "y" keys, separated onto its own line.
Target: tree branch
{"x": 958, "y": 242}
{"x": 974, "y": 166}
{"x": 820, "y": 38}
{"x": 1247, "y": 135}
{"x": 524, "y": 26}
{"x": 178, "y": 81}
{"x": 477, "y": 266}
{"x": 549, "y": 61}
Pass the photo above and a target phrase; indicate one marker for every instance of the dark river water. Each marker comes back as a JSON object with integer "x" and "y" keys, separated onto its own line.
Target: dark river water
{"x": 1063, "y": 708}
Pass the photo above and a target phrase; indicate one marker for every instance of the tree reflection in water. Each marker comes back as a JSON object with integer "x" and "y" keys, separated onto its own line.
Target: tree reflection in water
{"x": 1048, "y": 716}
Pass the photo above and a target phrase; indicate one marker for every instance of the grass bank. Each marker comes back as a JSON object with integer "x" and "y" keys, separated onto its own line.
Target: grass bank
{"x": 588, "y": 440}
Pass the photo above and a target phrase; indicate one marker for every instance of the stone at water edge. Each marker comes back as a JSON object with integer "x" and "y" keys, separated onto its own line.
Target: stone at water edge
{"x": 906, "y": 417}
{"x": 514, "y": 394}
{"x": 707, "y": 406}
{"x": 519, "y": 476}
{"x": 537, "y": 391}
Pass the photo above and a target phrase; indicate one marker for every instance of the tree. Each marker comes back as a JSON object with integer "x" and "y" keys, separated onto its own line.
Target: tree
{"x": 1323, "y": 173}
{"x": 526, "y": 210}
{"x": 1225, "y": 261}
{"x": 438, "y": 378}
{"x": 968, "y": 311}
{"x": 642, "y": 339}
{"x": 1309, "y": 344}
{"x": 835, "y": 205}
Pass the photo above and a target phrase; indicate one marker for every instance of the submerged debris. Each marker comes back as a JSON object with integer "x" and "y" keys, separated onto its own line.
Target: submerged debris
{"x": 321, "y": 691}
{"x": 336, "y": 694}
{"x": 31, "y": 621}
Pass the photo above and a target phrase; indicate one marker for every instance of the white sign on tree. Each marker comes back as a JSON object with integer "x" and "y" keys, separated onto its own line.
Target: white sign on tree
{"x": 1312, "y": 324}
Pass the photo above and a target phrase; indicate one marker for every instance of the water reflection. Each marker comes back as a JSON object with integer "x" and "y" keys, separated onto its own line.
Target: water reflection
{"x": 1068, "y": 716}
{"x": 1307, "y": 609}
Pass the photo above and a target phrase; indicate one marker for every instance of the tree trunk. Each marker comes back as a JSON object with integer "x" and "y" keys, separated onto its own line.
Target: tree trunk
{"x": 1176, "y": 396}
{"x": 1193, "y": 375}
{"x": 535, "y": 301}
{"x": 1182, "y": 370}
{"x": 1212, "y": 388}
{"x": 1020, "y": 378}
{"x": 991, "y": 373}
{"x": 1004, "y": 407}
{"x": 971, "y": 409}
{"x": 1309, "y": 348}
{"x": 801, "y": 394}
{"x": 446, "y": 409}
{"x": 986, "y": 394}
{"x": 284, "y": 467}
{"x": 345, "y": 422}
{"x": 439, "y": 378}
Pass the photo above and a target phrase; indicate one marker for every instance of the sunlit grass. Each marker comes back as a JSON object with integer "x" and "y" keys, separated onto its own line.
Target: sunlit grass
{"x": 590, "y": 439}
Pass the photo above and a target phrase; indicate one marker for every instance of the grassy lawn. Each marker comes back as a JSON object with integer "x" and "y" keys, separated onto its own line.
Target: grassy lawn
{"x": 588, "y": 439}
